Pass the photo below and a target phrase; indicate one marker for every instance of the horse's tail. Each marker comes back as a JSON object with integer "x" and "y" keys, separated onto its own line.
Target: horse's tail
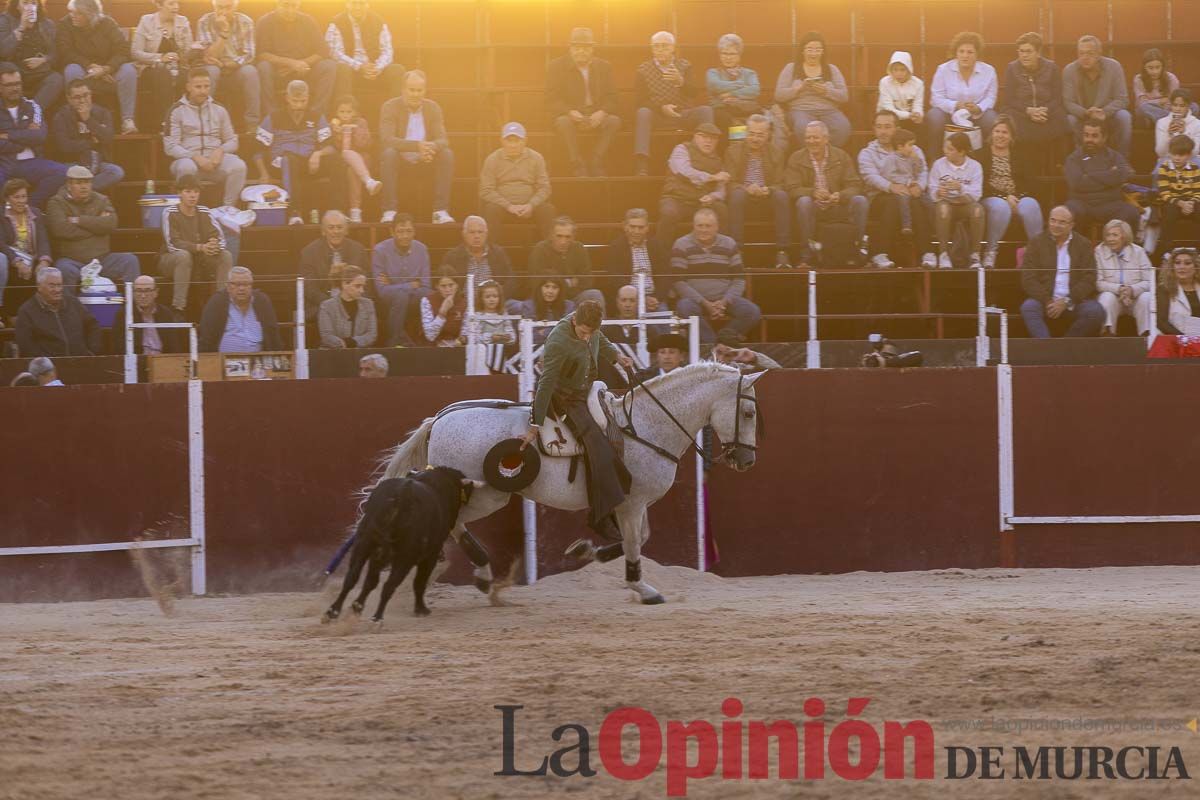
{"x": 412, "y": 453}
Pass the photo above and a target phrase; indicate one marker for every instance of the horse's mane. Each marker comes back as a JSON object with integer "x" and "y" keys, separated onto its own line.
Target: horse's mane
{"x": 686, "y": 372}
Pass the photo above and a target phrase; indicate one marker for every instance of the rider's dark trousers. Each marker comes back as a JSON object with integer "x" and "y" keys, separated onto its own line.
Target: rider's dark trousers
{"x": 607, "y": 477}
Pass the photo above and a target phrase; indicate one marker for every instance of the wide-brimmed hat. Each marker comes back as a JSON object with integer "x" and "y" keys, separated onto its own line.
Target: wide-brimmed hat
{"x": 669, "y": 340}
{"x": 508, "y": 468}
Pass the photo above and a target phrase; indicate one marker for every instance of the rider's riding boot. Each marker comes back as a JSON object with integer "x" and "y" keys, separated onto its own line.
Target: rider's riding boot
{"x": 608, "y": 528}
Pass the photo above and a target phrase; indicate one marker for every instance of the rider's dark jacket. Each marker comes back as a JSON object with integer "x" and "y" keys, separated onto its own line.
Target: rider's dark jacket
{"x": 569, "y": 365}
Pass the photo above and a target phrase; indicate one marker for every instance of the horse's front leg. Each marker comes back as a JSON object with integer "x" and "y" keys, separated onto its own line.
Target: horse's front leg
{"x": 631, "y": 522}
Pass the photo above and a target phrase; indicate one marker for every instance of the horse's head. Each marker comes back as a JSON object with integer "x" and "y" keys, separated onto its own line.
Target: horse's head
{"x": 736, "y": 420}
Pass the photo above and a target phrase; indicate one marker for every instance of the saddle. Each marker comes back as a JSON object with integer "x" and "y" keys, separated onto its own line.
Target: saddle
{"x": 558, "y": 441}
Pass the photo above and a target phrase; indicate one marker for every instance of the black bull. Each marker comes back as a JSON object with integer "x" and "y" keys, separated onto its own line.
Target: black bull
{"x": 405, "y": 523}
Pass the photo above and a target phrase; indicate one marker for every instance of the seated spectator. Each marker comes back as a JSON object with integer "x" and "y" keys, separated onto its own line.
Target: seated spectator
{"x": 23, "y": 232}
{"x": 239, "y": 320}
{"x": 549, "y": 303}
{"x": 1007, "y": 188}
{"x": 27, "y": 39}
{"x": 44, "y": 372}
{"x": 581, "y": 97}
{"x": 1095, "y": 175}
{"x": 401, "y": 267}
{"x": 514, "y": 184}
{"x": 696, "y": 178}
{"x": 481, "y": 259}
{"x": 812, "y": 89}
{"x": 733, "y": 90}
{"x": 1179, "y": 121}
{"x": 902, "y": 92}
{"x": 52, "y": 323}
{"x": 1178, "y": 296}
{"x": 627, "y": 309}
{"x": 955, "y": 187}
{"x": 489, "y": 306}
{"x": 322, "y": 259}
{"x": 1124, "y": 278}
{"x": 670, "y": 353}
{"x": 634, "y": 253}
{"x": 1033, "y": 94}
{"x": 963, "y": 92}
{"x": 413, "y": 137}
{"x": 83, "y": 134}
{"x": 225, "y": 38}
{"x": 360, "y": 43}
{"x": 24, "y": 379}
{"x": 668, "y": 95}
{"x": 444, "y": 327}
{"x": 200, "y": 138}
{"x": 352, "y": 138}
{"x": 162, "y": 53}
{"x": 878, "y": 163}
{"x": 193, "y": 244}
{"x": 823, "y": 183}
{"x": 708, "y": 273}
{"x": 564, "y": 257}
{"x": 1177, "y": 189}
{"x": 1058, "y": 275}
{"x": 756, "y": 177}
{"x": 147, "y": 309}
{"x": 348, "y": 319}
{"x": 23, "y": 138}
{"x": 92, "y": 47}
{"x": 290, "y": 48}
{"x": 373, "y": 366}
{"x": 299, "y": 149}
{"x": 81, "y": 222}
{"x": 1094, "y": 89}
{"x": 1152, "y": 89}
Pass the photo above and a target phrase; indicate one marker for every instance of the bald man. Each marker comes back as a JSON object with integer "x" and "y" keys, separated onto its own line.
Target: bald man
{"x": 147, "y": 308}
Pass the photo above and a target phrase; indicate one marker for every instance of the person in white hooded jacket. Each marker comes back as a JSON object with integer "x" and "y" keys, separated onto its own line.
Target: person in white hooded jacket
{"x": 1179, "y": 122}
{"x": 901, "y": 91}
{"x": 199, "y": 136}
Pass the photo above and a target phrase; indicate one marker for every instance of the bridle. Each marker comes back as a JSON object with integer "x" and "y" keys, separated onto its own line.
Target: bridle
{"x": 727, "y": 450}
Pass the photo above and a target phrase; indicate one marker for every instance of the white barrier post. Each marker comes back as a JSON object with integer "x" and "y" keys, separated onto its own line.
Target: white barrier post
{"x": 1004, "y": 411}
{"x": 301, "y": 350}
{"x": 1004, "y": 337}
{"x": 130, "y": 356}
{"x": 643, "y": 347}
{"x": 693, "y": 357}
{"x": 472, "y": 328}
{"x": 528, "y": 507}
{"x": 196, "y": 478}
{"x": 813, "y": 360}
{"x": 982, "y": 344}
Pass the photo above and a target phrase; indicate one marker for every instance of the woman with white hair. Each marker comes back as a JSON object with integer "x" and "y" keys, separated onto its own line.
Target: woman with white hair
{"x": 92, "y": 47}
{"x": 733, "y": 90}
{"x": 1124, "y": 278}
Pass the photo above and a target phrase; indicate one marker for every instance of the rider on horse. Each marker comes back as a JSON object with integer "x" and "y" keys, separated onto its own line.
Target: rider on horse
{"x": 570, "y": 363}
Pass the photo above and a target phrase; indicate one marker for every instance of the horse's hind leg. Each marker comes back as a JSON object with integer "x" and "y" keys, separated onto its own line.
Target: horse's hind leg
{"x": 630, "y": 522}
{"x": 352, "y": 575}
{"x": 478, "y": 555}
{"x": 400, "y": 568}
{"x": 420, "y": 581}
{"x": 371, "y": 583}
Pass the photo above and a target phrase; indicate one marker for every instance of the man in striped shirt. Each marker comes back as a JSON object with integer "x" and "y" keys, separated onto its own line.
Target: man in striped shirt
{"x": 361, "y": 44}
{"x": 709, "y": 279}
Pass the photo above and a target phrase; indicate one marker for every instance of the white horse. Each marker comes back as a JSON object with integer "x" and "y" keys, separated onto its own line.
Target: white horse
{"x": 705, "y": 393}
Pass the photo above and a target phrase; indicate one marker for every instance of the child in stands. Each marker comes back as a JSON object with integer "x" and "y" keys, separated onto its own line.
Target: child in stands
{"x": 352, "y": 138}
{"x": 1177, "y": 181}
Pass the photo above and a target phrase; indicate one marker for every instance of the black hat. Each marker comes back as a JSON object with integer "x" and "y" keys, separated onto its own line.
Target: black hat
{"x": 674, "y": 340}
{"x": 509, "y": 468}
{"x": 729, "y": 337}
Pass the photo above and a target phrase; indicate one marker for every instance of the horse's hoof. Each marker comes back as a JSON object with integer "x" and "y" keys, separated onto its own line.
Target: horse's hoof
{"x": 483, "y": 586}
{"x": 581, "y": 550}
{"x": 421, "y": 612}
{"x": 328, "y": 616}
{"x": 357, "y": 608}
{"x": 656, "y": 600}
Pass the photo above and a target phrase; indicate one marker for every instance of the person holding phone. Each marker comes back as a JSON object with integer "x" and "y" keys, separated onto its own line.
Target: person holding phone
{"x": 27, "y": 39}
{"x": 1178, "y": 122}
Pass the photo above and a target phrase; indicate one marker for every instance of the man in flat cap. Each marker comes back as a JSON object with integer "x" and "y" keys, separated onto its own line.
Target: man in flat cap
{"x": 581, "y": 97}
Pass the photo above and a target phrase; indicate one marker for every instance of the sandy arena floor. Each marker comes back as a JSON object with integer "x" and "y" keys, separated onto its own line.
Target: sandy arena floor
{"x": 249, "y": 697}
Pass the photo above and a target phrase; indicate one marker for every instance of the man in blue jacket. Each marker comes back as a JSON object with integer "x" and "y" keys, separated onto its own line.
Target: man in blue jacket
{"x": 22, "y": 137}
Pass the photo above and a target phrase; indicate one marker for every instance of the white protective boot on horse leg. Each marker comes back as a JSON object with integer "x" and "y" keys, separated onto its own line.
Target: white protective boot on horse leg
{"x": 630, "y": 522}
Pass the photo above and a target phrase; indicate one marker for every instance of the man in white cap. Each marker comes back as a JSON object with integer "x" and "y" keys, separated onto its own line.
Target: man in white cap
{"x": 515, "y": 185}
{"x": 581, "y": 97}
{"x": 81, "y": 221}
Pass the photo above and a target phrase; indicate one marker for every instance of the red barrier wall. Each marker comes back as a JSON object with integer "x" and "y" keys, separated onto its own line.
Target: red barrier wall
{"x": 864, "y": 470}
